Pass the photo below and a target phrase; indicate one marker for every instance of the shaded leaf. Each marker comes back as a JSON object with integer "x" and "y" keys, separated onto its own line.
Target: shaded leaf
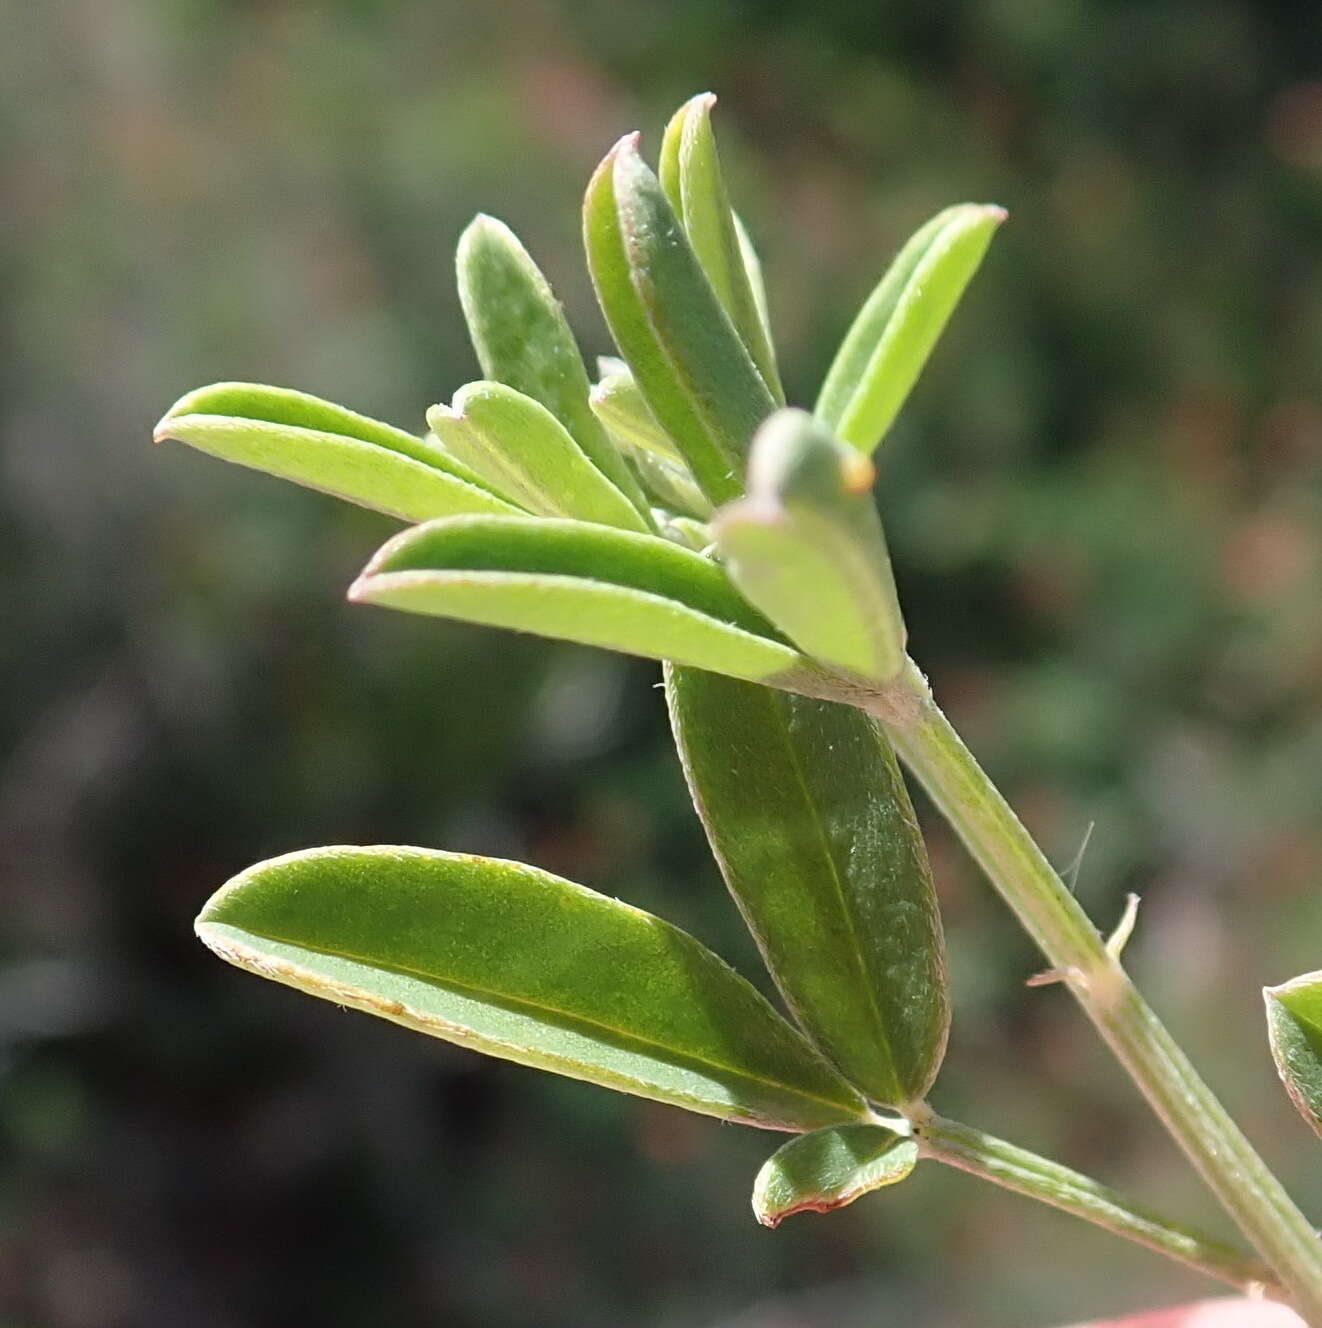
{"x": 577, "y": 582}
{"x": 806, "y": 547}
{"x": 885, "y": 350}
{"x": 326, "y": 447}
{"x": 619, "y": 405}
{"x": 830, "y": 1168}
{"x": 694, "y": 371}
{"x": 520, "y": 964}
{"x": 809, "y": 818}
{"x": 690, "y": 173}
{"x": 1294, "y": 1027}
{"x": 522, "y": 338}
{"x": 517, "y": 445}
{"x": 670, "y": 485}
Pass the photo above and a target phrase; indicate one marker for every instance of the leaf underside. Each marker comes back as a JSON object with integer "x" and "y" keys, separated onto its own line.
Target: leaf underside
{"x": 1294, "y": 1025}
{"x": 830, "y": 1168}
{"x": 574, "y": 581}
{"x": 520, "y": 964}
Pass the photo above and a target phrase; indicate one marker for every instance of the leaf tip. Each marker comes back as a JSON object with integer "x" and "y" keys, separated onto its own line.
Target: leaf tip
{"x": 626, "y": 150}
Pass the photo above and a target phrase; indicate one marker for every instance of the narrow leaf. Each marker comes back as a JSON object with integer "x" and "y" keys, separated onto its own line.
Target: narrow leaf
{"x": 885, "y": 350}
{"x": 523, "y": 450}
{"x": 688, "y": 532}
{"x": 577, "y": 582}
{"x": 619, "y": 405}
{"x": 670, "y": 485}
{"x": 522, "y": 965}
{"x": 806, "y": 547}
{"x": 808, "y": 817}
{"x": 522, "y": 338}
{"x": 692, "y": 179}
{"x": 1294, "y": 1027}
{"x": 756, "y": 281}
{"x": 693, "y": 369}
{"x": 830, "y": 1168}
{"x": 326, "y": 447}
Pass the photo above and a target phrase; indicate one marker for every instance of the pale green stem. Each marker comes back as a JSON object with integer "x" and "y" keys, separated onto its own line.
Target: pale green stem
{"x": 1024, "y": 1172}
{"x": 1053, "y": 917}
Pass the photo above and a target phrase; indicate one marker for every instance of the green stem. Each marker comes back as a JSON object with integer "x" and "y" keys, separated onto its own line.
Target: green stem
{"x": 1016, "y": 1169}
{"x": 1053, "y": 917}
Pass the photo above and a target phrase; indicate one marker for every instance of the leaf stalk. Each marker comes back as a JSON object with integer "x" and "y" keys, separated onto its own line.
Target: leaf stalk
{"x": 1013, "y": 1168}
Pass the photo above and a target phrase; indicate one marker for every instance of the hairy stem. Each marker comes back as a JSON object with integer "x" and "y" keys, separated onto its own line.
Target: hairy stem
{"x": 1016, "y": 1169}
{"x": 1027, "y": 882}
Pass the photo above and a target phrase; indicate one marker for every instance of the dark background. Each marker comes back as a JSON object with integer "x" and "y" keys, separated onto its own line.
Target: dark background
{"x": 1105, "y": 508}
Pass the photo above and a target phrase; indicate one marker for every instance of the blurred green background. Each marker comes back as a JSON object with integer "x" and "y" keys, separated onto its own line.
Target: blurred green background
{"x": 1105, "y": 507}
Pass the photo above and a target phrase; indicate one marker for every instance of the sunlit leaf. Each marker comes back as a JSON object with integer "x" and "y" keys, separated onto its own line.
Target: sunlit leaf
{"x": 689, "y": 361}
{"x": 808, "y": 816}
{"x": 520, "y": 964}
{"x": 830, "y": 1168}
{"x": 690, "y": 173}
{"x": 890, "y": 341}
{"x": 523, "y": 450}
{"x": 806, "y": 547}
{"x": 519, "y": 331}
{"x": 326, "y": 447}
{"x": 578, "y": 582}
{"x": 1294, "y": 1026}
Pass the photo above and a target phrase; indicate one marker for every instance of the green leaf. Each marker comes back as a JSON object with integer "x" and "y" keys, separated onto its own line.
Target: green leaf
{"x": 577, "y": 582}
{"x": 692, "y": 179}
{"x": 693, "y": 369}
{"x": 326, "y": 447}
{"x": 807, "y": 813}
{"x": 619, "y": 405}
{"x": 1294, "y": 1027}
{"x": 756, "y": 281}
{"x": 885, "y": 350}
{"x": 830, "y": 1168}
{"x": 688, "y": 532}
{"x": 806, "y": 547}
{"x": 670, "y": 485}
{"x": 517, "y": 445}
{"x": 520, "y": 964}
{"x": 519, "y": 331}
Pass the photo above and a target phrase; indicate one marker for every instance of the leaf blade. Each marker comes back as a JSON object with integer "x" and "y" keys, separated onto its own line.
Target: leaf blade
{"x": 693, "y": 181}
{"x": 892, "y": 337}
{"x": 522, "y": 339}
{"x": 693, "y": 369}
{"x": 619, "y": 405}
{"x": 809, "y": 818}
{"x": 829, "y": 1169}
{"x": 806, "y": 547}
{"x": 1294, "y": 1026}
{"x": 578, "y": 582}
{"x": 520, "y": 447}
{"x": 321, "y": 446}
{"x": 526, "y": 966}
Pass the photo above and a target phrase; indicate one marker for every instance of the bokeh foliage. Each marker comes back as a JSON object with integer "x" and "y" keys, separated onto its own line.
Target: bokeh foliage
{"x": 1104, "y": 506}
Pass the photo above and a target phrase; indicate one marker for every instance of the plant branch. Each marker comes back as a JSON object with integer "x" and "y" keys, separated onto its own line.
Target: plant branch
{"x": 1027, "y": 882}
{"x": 1026, "y": 1173}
